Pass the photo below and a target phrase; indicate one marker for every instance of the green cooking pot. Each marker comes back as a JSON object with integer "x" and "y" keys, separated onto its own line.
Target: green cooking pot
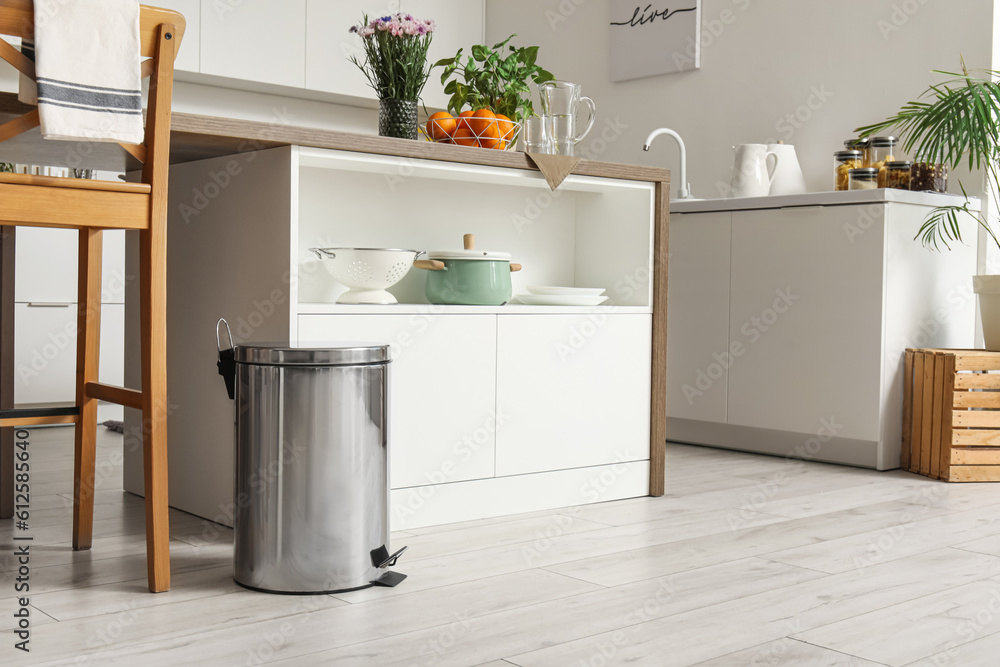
{"x": 468, "y": 277}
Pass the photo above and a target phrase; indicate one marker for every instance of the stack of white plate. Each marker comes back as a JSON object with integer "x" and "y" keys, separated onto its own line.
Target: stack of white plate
{"x": 563, "y": 296}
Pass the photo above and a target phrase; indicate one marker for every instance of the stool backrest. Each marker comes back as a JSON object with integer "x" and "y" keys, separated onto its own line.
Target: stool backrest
{"x": 156, "y": 26}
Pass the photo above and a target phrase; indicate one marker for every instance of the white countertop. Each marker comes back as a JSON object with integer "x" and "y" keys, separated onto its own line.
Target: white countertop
{"x": 929, "y": 199}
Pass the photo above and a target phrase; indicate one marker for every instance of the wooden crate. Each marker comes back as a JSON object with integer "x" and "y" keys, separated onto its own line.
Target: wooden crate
{"x": 951, "y": 414}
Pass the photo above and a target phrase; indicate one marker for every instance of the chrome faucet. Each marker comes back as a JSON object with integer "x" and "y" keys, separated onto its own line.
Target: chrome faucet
{"x": 683, "y": 188}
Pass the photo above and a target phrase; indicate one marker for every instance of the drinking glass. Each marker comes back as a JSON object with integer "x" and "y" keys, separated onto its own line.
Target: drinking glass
{"x": 536, "y": 138}
{"x": 560, "y": 104}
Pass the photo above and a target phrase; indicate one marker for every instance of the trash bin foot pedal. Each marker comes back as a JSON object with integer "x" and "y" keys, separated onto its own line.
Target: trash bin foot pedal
{"x": 381, "y": 557}
{"x": 389, "y": 579}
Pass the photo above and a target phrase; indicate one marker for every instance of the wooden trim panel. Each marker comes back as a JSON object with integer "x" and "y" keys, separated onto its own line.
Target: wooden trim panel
{"x": 658, "y": 356}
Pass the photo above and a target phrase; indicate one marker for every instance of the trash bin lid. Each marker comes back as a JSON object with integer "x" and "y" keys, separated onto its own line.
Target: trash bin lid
{"x": 344, "y": 354}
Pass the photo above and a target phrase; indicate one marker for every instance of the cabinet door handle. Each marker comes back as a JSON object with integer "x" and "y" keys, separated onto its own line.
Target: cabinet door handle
{"x": 34, "y": 304}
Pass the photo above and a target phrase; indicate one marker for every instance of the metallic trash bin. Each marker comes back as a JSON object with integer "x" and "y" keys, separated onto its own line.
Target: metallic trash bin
{"x": 312, "y": 488}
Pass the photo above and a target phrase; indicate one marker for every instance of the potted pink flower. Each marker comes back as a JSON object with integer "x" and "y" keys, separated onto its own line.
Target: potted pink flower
{"x": 395, "y": 64}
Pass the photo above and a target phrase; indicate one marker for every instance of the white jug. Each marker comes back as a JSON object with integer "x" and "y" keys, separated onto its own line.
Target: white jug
{"x": 788, "y": 178}
{"x": 751, "y": 177}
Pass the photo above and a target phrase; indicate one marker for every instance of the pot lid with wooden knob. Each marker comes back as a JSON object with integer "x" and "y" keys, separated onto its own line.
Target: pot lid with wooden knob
{"x": 470, "y": 252}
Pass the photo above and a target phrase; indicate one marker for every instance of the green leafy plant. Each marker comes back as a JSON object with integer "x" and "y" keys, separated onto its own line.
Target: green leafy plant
{"x": 489, "y": 79}
{"x": 952, "y": 122}
{"x": 395, "y": 55}
{"x": 6, "y": 167}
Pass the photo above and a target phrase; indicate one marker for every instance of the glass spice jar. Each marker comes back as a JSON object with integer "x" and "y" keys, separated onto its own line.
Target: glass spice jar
{"x": 928, "y": 176}
{"x": 862, "y": 145}
{"x": 865, "y": 178}
{"x": 880, "y": 151}
{"x": 844, "y": 161}
{"x": 897, "y": 174}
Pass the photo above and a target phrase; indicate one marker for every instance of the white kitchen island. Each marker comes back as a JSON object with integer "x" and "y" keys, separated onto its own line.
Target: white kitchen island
{"x": 493, "y": 410}
{"x": 788, "y": 317}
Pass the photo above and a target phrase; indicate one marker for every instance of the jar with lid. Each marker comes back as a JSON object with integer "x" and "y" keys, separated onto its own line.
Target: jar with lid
{"x": 844, "y": 161}
{"x": 865, "y": 178}
{"x": 881, "y": 151}
{"x": 928, "y": 174}
{"x": 862, "y": 145}
{"x": 897, "y": 174}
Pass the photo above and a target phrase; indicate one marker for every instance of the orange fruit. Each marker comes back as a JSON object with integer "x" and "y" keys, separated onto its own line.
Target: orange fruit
{"x": 484, "y": 124}
{"x": 465, "y": 137}
{"x": 489, "y": 142}
{"x": 463, "y": 119}
{"x": 505, "y": 126}
{"x": 441, "y": 126}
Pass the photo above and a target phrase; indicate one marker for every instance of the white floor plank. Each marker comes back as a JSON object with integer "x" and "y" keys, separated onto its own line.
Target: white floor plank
{"x": 788, "y": 651}
{"x": 711, "y": 632}
{"x": 918, "y": 628}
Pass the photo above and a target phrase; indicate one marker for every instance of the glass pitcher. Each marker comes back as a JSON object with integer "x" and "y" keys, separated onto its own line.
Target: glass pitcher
{"x": 560, "y": 103}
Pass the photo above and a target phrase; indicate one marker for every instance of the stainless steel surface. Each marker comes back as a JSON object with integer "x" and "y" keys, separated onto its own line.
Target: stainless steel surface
{"x": 312, "y": 491}
{"x": 335, "y": 356}
{"x": 329, "y": 252}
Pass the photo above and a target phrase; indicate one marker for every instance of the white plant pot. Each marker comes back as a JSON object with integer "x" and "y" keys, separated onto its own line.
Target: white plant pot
{"x": 988, "y": 289}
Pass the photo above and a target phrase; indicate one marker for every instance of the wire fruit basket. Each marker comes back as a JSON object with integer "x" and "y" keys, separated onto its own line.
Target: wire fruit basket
{"x": 482, "y": 131}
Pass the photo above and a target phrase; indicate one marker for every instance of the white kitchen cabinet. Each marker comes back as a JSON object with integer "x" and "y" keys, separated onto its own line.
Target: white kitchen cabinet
{"x": 554, "y": 415}
{"x": 189, "y": 57}
{"x": 45, "y": 266}
{"x": 329, "y": 44}
{"x": 45, "y": 294}
{"x": 579, "y": 428}
{"x": 825, "y": 291}
{"x": 699, "y": 316}
{"x": 255, "y": 40}
{"x": 45, "y": 354}
{"x": 443, "y": 390}
{"x": 806, "y": 301}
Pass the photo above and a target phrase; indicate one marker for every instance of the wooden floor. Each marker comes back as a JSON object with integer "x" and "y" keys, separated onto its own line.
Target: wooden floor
{"x": 749, "y": 560}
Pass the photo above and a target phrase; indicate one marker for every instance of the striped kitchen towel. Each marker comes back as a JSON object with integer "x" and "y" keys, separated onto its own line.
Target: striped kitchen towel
{"x": 87, "y": 62}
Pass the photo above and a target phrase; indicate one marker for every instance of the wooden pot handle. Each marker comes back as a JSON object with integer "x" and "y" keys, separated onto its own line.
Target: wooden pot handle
{"x": 470, "y": 241}
{"x": 515, "y": 267}
{"x": 429, "y": 264}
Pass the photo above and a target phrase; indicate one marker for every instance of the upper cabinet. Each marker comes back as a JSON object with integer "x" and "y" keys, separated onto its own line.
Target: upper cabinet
{"x": 329, "y": 45}
{"x": 189, "y": 57}
{"x": 255, "y": 40}
{"x": 306, "y": 44}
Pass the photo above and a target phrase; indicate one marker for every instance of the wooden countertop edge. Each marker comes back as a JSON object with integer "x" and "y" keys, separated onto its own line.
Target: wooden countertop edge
{"x": 193, "y": 134}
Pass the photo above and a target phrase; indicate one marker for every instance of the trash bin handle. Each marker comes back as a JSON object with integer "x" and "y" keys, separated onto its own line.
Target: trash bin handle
{"x": 218, "y": 343}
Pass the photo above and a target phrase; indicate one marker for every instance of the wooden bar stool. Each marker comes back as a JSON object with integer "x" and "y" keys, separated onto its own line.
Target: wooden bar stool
{"x": 92, "y": 206}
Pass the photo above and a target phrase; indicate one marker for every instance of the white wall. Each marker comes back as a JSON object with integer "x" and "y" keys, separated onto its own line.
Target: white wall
{"x": 868, "y": 57}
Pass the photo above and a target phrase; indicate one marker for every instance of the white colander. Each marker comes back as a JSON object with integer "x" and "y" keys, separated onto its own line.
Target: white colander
{"x": 367, "y": 272}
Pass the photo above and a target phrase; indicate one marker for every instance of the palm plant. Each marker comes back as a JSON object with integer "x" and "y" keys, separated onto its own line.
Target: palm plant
{"x": 952, "y": 122}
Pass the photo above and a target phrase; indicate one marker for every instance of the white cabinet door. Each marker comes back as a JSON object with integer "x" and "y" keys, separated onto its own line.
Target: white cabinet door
{"x": 113, "y": 276}
{"x": 111, "y": 370}
{"x": 45, "y": 352}
{"x": 188, "y": 58}
{"x": 572, "y": 390}
{"x": 442, "y": 393}
{"x": 329, "y": 45}
{"x": 807, "y": 307}
{"x": 698, "y": 348}
{"x": 255, "y": 40}
{"x": 45, "y": 265}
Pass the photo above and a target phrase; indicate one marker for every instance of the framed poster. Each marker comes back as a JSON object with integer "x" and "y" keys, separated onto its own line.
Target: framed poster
{"x": 652, "y": 38}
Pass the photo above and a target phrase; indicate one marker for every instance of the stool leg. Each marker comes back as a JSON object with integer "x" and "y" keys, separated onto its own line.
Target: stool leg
{"x": 153, "y": 279}
{"x": 7, "y": 368}
{"x": 88, "y": 347}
